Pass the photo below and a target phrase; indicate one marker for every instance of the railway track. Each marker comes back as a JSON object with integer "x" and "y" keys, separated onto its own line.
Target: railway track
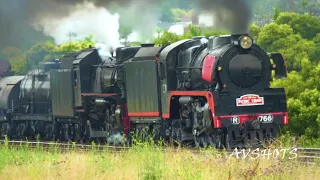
{"x": 62, "y": 147}
{"x": 307, "y": 155}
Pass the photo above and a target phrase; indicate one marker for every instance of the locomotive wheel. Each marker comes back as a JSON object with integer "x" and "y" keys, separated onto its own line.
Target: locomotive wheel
{"x": 50, "y": 132}
{"x": 20, "y": 131}
{"x": 197, "y": 141}
{"x": 204, "y": 140}
{"x": 211, "y": 140}
{"x": 227, "y": 141}
{"x": 5, "y": 130}
{"x": 218, "y": 141}
{"x": 32, "y": 131}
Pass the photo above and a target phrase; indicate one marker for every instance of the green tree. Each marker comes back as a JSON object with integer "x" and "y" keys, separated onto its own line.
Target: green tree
{"x": 180, "y": 14}
{"x": 281, "y": 38}
{"x": 166, "y": 13}
{"x": 124, "y": 32}
{"x": 254, "y": 31}
{"x": 306, "y": 25}
{"x": 276, "y": 12}
{"x": 16, "y": 58}
{"x": 316, "y": 40}
{"x": 286, "y": 17}
{"x": 303, "y": 102}
{"x": 45, "y": 51}
{"x": 166, "y": 37}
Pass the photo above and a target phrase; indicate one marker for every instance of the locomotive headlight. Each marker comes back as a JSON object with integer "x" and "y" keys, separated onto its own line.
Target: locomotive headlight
{"x": 245, "y": 42}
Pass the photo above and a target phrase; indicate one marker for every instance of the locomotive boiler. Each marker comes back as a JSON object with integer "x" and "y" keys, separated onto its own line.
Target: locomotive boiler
{"x": 213, "y": 91}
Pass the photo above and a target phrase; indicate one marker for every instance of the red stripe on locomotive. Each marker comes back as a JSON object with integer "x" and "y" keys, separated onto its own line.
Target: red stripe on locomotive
{"x": 142, "y": 114}
{"x": 207, "y": 69}
{"x": 207, "y": 94}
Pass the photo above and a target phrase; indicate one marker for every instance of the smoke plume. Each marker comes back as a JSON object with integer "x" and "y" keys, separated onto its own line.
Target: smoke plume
{"x": 83, "y": 19}
{"x": 235, "y": 15}
{"x": 26, "y": 22}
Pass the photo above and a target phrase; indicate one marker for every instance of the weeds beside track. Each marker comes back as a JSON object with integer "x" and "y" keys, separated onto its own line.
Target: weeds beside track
{"x": 308, "y": 155}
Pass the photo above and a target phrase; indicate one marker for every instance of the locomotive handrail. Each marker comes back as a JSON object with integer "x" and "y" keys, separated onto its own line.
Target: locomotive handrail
{"x": 189, "y": 67}
{"x": 106, "y": 66}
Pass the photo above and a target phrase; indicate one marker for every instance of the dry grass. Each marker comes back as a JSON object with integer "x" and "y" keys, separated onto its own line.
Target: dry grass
{"x": 143, "y": 162}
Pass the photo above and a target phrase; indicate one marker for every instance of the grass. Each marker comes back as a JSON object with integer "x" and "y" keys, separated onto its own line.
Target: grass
{"x": 144, "y": 161}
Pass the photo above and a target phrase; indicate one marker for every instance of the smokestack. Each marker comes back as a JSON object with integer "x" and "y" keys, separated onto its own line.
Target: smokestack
{"x": 195, "y": 17}
{"x": 235, "y": 15}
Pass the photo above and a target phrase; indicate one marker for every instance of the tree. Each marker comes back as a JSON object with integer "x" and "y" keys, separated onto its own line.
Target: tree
{"x": 281, "y": 38}
{"x": 254, "y": 31}
{"x": 306, "y": 25}
{"x": 316, "y": 40}
{"x": 166, "y": 13}
{"x": 303, "y": 96}
{"x": 180, "y": 14}
{"x": 124, "y": 32}
{"x": 286, "y": 17}
{"x": 164, "y": 37}
{"x": 45, "y": 51}
{"x": 16, "y": 58}
{"x": 276, "y": 13}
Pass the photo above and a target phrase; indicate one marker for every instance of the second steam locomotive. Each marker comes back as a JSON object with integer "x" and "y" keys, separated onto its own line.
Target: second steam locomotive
{"x": 213, "y": 91}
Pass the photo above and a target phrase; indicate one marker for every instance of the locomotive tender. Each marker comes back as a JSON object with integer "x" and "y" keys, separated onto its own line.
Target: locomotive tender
{"x": 213, "y": 91}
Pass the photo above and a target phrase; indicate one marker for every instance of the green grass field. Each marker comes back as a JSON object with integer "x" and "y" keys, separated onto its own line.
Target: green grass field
{"x": 144, "y": 161}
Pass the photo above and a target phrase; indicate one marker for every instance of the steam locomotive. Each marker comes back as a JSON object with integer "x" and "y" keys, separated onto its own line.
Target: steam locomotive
{"x": 205, "y": 91}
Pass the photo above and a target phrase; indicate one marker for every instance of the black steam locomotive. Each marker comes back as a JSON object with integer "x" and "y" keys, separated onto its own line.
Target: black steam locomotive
{"x": 212, "y": 91}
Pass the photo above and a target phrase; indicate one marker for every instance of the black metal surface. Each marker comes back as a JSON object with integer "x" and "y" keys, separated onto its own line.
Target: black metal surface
{"x": 66, "y": 62}
{"x": 245, "y": 70}
{"x": 169, "y": 58}
{"x": 105, "y": 77}
{"x": 50, "y": 65}
{"x": 218, "y": 41}
{"x": 281, "y": 69}
{"x": 125, "y": 53}
{"x": 85, "y": 61}
{"x": 142, "y": 86}
{"x": 274, "y": 101}
{"x": 239, "y": 68}
{"x": 33, "y": 117}
{"x": 62, "y": 93}
{"x": 146, "y": 53}
{"x": 9, "y": 91}
{"x": 35, "y": 91}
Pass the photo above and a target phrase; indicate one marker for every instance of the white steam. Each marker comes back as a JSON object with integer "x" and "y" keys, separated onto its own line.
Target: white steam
{"x": 84, "y": 19}
{"x": 116, "y": 139}
{"x": 177, "y": 29}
